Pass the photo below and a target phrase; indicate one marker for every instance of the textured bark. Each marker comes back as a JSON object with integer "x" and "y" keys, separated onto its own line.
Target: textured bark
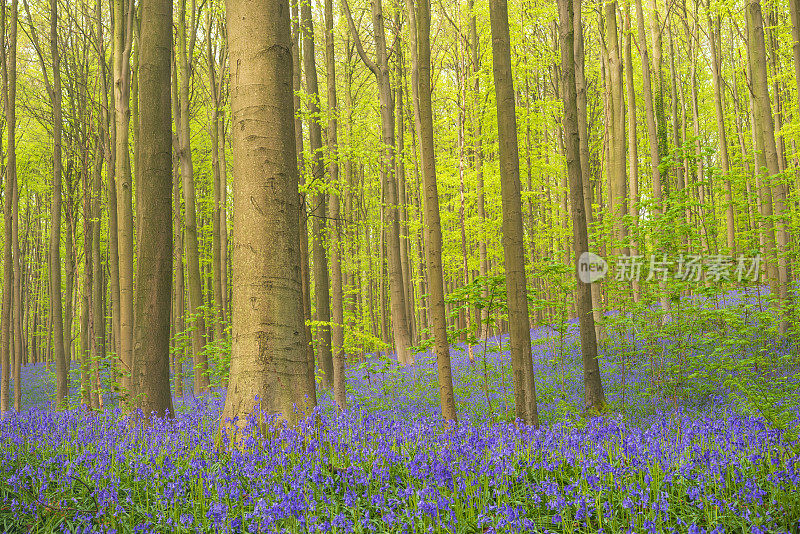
{"x": 380, "y": 68}
{"x": 217, "y": 267}
{"x": 268, "y": 358}
{"x": 86, "y": 290}
{"x": 334, "y": 224}
{"x": 513, "y": 237}
{"x": 109, "y": 154}
{"x": 420, "y": 28}
{"x": 123, "y": 41}
{"x": 298, "y": 137}
{"x": 400, "y": 170}
{"x": 321, "y": 278}
{"x": 10, "y": 187}
{"x": 594, "y": 398}
{"x": 178, "y": 296}
{"x": 633, "y": 153}
{"x": 194, "y": 279}
{"x": 60, "y": 352}
{"x": 618, "y": 207}
{"x": 154, "y": 168}
{"x": 776, "y": 239}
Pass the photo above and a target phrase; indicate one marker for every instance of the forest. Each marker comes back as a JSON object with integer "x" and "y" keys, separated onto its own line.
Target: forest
{"x": 392, "y": 266}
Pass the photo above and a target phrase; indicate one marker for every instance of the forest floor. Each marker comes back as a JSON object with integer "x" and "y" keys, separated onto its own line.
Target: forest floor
{"x": 700, "y": 435}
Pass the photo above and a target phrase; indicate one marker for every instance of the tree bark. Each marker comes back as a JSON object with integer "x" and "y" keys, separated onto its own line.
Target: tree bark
{"x": 380, "y": 68}
{"x": 319, "y": 211}
{"x": 268, "y": 358}
{"x": 618, "y": 208}
{"x": 419, "y": 30}
{"x": 776, "y": 239}
{"x": 194, "y": 277}
{"x": 594, "y": 398}
{"x": 715, "y": 44}
{"x": 513, "y": 237}
{"x": 334, "y": 223}
{"x": 217, "y": 172}
{"x": 298, "y": 137}
{"x": 9, "y": 72}
{"x": 178, "y": 302}
{"x": 123, "y": 41}
{"x": 154, "y": 168}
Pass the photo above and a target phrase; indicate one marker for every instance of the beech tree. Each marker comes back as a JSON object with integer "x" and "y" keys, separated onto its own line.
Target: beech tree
{"x": 268, "y": 359}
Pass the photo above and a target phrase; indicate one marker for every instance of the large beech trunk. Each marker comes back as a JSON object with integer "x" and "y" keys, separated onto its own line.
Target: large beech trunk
{"x": 268, "y": 359}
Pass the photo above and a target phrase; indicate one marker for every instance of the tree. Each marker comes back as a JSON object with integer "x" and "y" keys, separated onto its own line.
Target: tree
{"x": 380, "y": 68}
{"x": 335, "y": 224}
{"x": 321, "y": 278}
{"x": 194, "y": 279}
{"x": 513, "y": 236}
{"x": 9, "y": 62}
{"x": 154, "y": 177}
{"x": 767, "y": 160}
{"x": 420, "y": 30}
{"x": 594, "y": 397}
{"x": 123, "y": 43}
{"x": 268, "y": 359}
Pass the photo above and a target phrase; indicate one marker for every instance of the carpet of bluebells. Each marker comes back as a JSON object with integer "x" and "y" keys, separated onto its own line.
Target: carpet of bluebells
{"x": 660, "y": 461}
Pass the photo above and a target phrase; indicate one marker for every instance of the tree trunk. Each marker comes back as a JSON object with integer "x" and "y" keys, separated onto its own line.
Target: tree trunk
{"x": 419, "y": 30}
{"x": 380, "y": 68}
{"x": 483, "y": 268}
{"x": 298, "y": 137}
{"x": 618, "y": 208}
{"x": 194, "y": 278}
{"x": 268, "y": 344}
{"x": 154, "y": 167}
{"x": 123, "y": 41}
{"x": 633, "y": 155}
{"x": 334, "y": 224}
{"x": 777, "y": 263}
{"x": 594, "y": 398}
{"x": 216, "y": 234}
{"x": 9, "y": 90}
{"x": 715, "y": 43}
{"x": 319, "y": 210}
{"x": 513, "y": 237}
{"x": 178, "y": 302}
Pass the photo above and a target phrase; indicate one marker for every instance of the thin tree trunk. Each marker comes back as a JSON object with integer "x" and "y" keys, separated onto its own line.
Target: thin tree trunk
{"x": 618, "y": 208}
{"x": 123, "y": 41}
{"x": 216, "y": 255}
{"x": 715, "y": 44}
{"x": 483, "y": 267}
{"x": 594, "y": 398}
{"x": 9, "y": 90}
{"x": 633, "y": 154}
{"x": 776, "y": 238}
{"x": 194, "y": 278}
{"x": 380, "y": 68}
{"x": 298, "y": 137}
{"x": 513, "y": 237}
{"x": 321, "y": 278}
{"x": 419, "y": 30}
{"x": 334, "y": 224}
{"x": 178, "y": 302}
